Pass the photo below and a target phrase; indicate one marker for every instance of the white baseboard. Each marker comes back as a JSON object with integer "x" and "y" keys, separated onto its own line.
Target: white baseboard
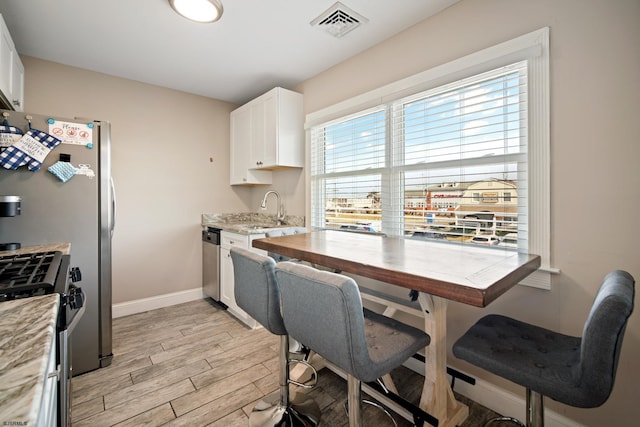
{"x": 151, "y": 303}
{"x": 499, "y": 400}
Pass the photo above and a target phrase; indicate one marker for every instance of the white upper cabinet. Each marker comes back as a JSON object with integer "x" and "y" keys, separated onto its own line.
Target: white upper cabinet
{"x": 11, "y": 70}
{"x": 240, "y": 165}
{"x": 17, "y": 83}
{"x": 266, "y": 134}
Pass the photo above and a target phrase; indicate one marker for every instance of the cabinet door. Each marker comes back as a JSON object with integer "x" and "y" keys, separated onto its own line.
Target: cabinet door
{"x": 257, "y": 135}
{"x": 6, "y": 51}
{"x": 279, "y": 140}
{"x": 240, "y": 140}
{"x": 226, "y": 278}
{"x": 241, "y": 169}
{"x": 264, "y": 140}
{"x": 227, "y": 294}
{"x": 270, "y": 136}
{"x": 17, "y": 83}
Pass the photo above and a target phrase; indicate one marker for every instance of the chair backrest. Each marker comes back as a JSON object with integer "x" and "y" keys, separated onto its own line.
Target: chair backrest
{"x": 277, "y": 232}
{"x": 321, "y": 309}
{"x": 602, "y": 338}
{"x": 256, "y": 290}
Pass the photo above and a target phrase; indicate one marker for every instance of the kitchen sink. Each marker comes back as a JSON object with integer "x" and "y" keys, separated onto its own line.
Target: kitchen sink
{"x": 263, "y": 226}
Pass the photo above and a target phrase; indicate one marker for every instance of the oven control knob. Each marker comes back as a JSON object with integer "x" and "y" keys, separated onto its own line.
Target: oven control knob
{"x": 75, "y": 274}
{"x": 76, "y": 299}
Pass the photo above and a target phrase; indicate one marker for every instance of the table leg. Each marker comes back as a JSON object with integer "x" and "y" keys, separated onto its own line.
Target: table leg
{"x": 437, "y": 397}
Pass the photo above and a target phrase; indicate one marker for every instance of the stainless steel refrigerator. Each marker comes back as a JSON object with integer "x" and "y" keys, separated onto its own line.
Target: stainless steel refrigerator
{"x": 74, "y": 202}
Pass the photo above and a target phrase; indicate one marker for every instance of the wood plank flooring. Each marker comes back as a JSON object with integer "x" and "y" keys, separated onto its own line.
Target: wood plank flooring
{"x": 194, "y": 364}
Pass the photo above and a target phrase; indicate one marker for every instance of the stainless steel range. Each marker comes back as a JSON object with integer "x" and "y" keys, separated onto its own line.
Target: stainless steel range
{"x": 31, "y": 274}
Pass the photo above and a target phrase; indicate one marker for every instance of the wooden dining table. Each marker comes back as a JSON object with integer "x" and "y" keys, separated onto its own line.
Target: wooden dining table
{"x": 440, "y": 271}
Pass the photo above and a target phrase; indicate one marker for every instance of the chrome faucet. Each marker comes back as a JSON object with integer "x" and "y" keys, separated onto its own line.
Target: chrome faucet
{"x": 280, "y": 208}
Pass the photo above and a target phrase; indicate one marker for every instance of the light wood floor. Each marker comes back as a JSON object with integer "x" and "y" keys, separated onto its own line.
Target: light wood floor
{"x": 194, "y": 364}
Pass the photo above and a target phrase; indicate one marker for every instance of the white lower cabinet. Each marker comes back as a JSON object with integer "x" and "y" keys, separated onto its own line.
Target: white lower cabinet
{"x": 227, "y": 295}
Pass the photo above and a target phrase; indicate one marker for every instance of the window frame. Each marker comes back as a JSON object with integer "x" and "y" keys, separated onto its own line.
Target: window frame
{"x": 532, "y": 47}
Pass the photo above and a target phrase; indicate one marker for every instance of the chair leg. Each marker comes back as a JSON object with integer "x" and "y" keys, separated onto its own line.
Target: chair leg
{"x": 535, "y": 409}
{"x": 354, "y": 399}
{"x": 282, "y": 408}
{"x": 283, "y": 368}
{"x": 535, "y": 412}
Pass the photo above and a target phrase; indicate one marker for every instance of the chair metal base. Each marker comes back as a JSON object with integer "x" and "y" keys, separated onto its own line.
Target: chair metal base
{"x": 312, "y": 381}
{"x": 503, "y": 419}
{"x": 302, "y": 411}
{"x": 535, "y": 412}
{"x": 354, "y": 400}
{"x": 375, "y": 405}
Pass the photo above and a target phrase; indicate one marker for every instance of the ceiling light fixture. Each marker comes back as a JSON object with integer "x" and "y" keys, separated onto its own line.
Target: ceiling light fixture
{"x": 198, "y": 10}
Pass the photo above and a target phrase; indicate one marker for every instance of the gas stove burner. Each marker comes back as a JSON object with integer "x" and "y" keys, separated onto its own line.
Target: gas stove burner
{"x": 25, "y": 274}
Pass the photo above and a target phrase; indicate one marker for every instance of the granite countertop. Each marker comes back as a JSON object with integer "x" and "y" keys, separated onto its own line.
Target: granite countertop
{"x": 27, "y": 331}
{"x": 249, "y": 222}
{"x": 65, "y": 248}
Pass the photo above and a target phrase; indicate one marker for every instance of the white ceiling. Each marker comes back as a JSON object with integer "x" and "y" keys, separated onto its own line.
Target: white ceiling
{"x": 256, "y": 45}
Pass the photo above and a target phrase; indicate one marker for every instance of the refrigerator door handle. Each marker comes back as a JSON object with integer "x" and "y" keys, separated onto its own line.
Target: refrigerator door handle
{"x": 113, "y": 206}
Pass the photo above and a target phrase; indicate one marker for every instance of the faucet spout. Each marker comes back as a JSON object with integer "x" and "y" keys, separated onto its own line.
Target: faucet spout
{"x": 280, "y": 206}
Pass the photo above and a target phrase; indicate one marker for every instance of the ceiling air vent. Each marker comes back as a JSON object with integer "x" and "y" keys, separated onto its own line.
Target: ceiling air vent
{"x": 338, "y": 20}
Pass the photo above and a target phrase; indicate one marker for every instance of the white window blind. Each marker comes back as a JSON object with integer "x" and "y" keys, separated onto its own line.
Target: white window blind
{"x": 347, "y": 162}
{"x": 459, "y": 153}
{"x": 444, "y": 163}
{"x": 465, "y": 159}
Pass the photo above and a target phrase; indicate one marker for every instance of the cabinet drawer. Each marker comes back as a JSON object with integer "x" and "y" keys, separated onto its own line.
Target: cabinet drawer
{"x": 234, "y": 239}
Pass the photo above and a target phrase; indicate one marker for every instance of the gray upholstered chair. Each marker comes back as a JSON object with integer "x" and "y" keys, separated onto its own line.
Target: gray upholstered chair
{"x": 277, "y": 232}
{"x": 324, "y": 310}
{"x": 577, "y": 371}
{"x": 257, "y": 293}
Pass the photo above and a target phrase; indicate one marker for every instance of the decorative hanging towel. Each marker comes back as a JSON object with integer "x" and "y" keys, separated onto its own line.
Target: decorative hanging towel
{"x": 63, "y": 169}
{"x": 29, "y": 150}
{"x": 9, "y": 135}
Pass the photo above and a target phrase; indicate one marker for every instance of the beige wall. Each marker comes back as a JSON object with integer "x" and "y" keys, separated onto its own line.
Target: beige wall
{"x": 595, "y": 73}
{"x": 161, "y": 144}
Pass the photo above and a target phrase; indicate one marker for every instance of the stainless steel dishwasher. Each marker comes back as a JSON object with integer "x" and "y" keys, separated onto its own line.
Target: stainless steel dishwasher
{"x": 211, "y": 262}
